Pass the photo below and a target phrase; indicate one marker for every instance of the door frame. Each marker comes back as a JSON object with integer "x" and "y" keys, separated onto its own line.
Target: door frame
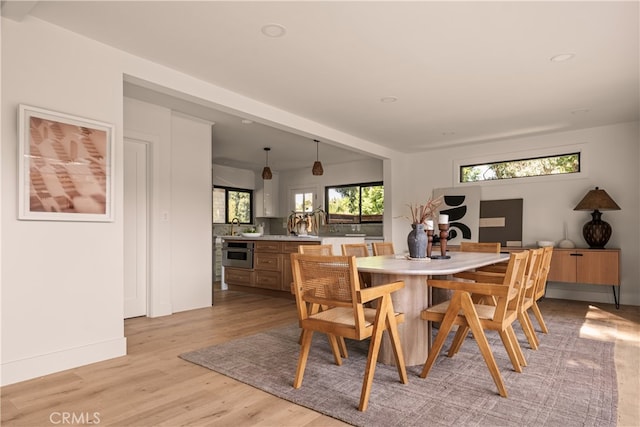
{"x": 147, "y": 243}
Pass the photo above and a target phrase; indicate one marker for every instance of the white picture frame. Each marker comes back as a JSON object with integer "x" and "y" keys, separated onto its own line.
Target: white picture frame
{"x": 65, "y": 167}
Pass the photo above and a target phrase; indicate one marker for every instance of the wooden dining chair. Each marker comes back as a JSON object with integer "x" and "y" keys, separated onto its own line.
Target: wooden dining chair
{"x": 541, "y": 287}
{"x": 323, "y": 250}
{"x": 491, "y": 247}
{"x": 332, "y": 281}
{"x": 527, "y": 291}
{"x": 315, "y": 249}
{"x": 485, "y": 247}
{"x": 534, "y": 269}
{"x": 358, "y": 250}
{"x": 463, "y": 312}
{"x": 383, "y": 248}
{"x": 355, "y": 249}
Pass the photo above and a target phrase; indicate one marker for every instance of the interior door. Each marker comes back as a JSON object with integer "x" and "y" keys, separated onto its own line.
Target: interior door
{"x": 135, "y": 228}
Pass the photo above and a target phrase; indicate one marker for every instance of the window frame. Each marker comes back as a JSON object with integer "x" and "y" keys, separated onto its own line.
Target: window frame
{"x": 226, "y": 202}
{"x": 359, "y": 217}
{"x": 303, "y": 190}
{"x": 581, "y": 149}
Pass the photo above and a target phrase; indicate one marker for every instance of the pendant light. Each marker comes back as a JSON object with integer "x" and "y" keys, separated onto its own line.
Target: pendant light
{"x": 317, "y": 166}
{"x": 266, "y": 172}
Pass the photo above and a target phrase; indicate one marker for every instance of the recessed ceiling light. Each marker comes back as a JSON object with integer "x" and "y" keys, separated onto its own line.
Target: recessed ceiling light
{"x": 273, "y": 30}
{"x": 562, "y": 57}
{"x": 388, "y": 99}
{"x": 247, "y": 121}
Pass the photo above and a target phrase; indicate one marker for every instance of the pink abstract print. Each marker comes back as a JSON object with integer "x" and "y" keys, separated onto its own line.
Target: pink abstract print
{"x": 67, "y": 168}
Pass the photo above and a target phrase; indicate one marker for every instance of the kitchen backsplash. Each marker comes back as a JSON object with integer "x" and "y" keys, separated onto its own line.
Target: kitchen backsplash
{"x": 277, "y": 226}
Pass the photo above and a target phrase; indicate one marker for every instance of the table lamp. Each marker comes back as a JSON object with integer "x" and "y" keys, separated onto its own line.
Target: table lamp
{"x": 596, "y": 232}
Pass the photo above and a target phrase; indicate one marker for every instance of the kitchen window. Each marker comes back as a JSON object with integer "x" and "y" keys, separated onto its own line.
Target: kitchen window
{"x": 355, "y": 203}
{"x": 231, "y": 203}
{"x": 303, "y": 201}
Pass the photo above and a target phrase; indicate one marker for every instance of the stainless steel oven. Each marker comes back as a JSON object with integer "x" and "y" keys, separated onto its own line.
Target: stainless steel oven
{"x": 237, "y": 254}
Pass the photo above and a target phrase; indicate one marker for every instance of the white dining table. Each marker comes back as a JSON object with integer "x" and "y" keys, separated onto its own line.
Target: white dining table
{"x": 415, "y": 333}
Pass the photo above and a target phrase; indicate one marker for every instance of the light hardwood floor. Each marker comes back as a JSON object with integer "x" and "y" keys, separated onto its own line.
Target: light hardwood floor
{"x": 151, "y": 386}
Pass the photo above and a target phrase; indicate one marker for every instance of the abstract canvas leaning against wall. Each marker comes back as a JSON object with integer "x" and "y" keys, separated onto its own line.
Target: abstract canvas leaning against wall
{"x": 65, "y": 167}
{"x": 463, "y": 207}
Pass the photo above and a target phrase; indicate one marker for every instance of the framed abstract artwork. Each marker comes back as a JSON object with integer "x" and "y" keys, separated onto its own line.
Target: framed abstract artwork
{"x": 65, "y": 167}
{"x": 501, "y": 221}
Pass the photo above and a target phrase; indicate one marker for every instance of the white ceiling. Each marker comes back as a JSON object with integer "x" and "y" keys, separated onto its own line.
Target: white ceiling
{"x": 462, "y": 72}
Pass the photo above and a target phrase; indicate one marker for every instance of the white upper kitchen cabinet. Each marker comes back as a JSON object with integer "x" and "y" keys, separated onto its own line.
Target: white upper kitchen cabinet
{"x": 267, "y": 198}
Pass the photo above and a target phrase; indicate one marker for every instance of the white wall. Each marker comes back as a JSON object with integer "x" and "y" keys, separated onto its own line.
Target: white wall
{"x": 191, "y": 249}
{"x": 152, "y": 125}
{"x": 610, "y": 161}
{"x": 62, "y": 295}
{"x": 181, "y": 255}
{"x": 62, "y": 282}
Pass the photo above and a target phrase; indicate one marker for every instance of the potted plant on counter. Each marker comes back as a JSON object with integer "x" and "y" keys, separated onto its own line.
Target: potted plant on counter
{"x": 303, "y": 223}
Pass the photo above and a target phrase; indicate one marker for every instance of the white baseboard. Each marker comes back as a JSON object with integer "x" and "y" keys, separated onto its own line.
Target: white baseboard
{"x": 161, "y": 309}
{"x": 37, "y": 366}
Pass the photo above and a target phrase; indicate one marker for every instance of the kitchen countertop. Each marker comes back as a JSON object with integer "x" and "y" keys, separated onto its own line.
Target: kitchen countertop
{"x": 335, "y": 241}
{"x": 274, "y": 237}
{"x": 292, "y": 238}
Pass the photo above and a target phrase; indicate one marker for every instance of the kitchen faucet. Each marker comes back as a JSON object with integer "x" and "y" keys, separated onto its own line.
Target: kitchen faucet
{"x": 234, "y": 221}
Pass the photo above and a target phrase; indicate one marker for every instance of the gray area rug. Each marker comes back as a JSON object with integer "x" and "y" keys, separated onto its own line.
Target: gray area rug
{"x": 570, "y": 381}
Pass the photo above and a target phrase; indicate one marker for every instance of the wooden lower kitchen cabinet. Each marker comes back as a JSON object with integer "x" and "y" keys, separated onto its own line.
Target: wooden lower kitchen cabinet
{"x": 268, "y": 264}
{"x": 287, "y": 276}
{"x": 271, "y": 267}
{"x": 238, "y": 276}
{"x": 587, "y": 266}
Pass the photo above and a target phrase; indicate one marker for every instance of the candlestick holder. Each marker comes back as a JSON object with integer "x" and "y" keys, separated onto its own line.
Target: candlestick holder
{"x": 429, "y": 242}
{"x": 444, "y": 232}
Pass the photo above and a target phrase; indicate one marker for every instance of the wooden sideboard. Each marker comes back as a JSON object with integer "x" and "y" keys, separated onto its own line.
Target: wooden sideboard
{"x": 584, "y": 266}
{"x": 581, "y": 266}
{"x": 587, "y": 266}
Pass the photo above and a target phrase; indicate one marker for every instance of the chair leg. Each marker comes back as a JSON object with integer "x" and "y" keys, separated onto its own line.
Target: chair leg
{"x": 533, "y": 330}
{"x": 507, "y": 341}
{"x": 538, "y": 314}
{"x": 372, "y": 357}
{"x": 478, "y": 333}
{"x": 445, "y": 327}
{"x": 335, "y": 348}
{"x": 516, "y": 346}
{"x": 342, "y": 345}
{"x": 394, "y": 337}
{"x": 461, "y": 335}
{"x": 527, "y": 327}
{"x": 302, "y": 359}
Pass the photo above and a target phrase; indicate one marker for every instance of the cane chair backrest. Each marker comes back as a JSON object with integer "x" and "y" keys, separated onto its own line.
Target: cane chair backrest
{"x": 383, "y": 248}
{"x": 315, "y": 249}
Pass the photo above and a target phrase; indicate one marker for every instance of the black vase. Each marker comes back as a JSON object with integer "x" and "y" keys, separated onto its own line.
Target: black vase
{"x": 417, "y": 241}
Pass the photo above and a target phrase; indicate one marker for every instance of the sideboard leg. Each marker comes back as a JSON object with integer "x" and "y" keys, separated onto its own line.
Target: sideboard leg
{"x": 616, "y": 297}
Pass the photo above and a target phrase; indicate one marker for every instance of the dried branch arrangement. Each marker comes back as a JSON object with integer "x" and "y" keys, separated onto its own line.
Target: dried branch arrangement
{"x": 421, "y": 213}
